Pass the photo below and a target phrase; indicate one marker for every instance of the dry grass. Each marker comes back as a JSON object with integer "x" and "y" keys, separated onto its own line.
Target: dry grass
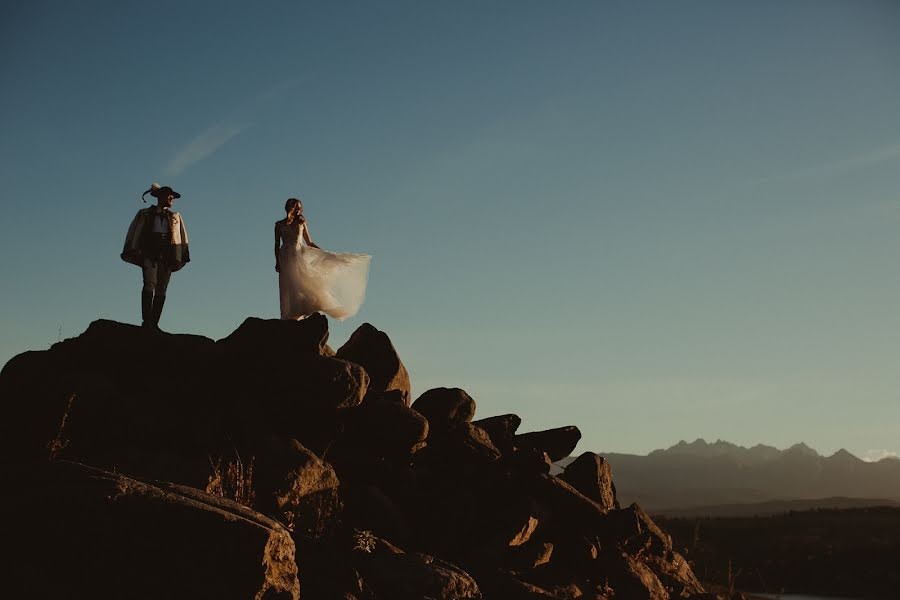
{"x": 59, "y": 443}
{"x": 234, "y": 482}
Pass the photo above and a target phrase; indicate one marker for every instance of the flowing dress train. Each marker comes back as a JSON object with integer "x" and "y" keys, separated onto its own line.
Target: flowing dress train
{"x": 313, "y": 280}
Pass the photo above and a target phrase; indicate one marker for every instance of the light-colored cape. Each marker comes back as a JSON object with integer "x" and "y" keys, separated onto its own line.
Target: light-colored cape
{"x": 133, "y": 252}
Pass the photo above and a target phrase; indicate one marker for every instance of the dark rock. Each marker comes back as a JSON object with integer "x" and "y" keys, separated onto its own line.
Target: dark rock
{"x": 529, "y": 461}
{"x": 445, "y": 408}
{"x": 368, "y": 508}
{"x": 94, "y": 383}
{"x": 576, "y": 554}
{"x": 506, "y": 586}
{"x": 675, "y": 574}
{"x": 633, "y": 530}
{"x": 558, "y": 443}
{"x": 372, "y": 350}
{"x": 502, "y": 430}
{"x": 591, "y": 475}
{"x": 297, "y": 486}
{"x": 82, "y": 532}
{"x": 630, "y": 578}
{"x": 570, "y": 510}
{"x": 528, "y": 556}
{"x": 399, "y": 575}
{"x": 275, "y": 336}
{"x": 461, "y": 452}
{"x": 384, "y": 425}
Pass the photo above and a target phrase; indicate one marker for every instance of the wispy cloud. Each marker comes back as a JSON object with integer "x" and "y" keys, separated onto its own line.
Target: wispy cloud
{"x": 211, "y": 139}
{"x": 203, "y": 145}
{"x": 865, "y": 159}
{"x": 876, "y": 455}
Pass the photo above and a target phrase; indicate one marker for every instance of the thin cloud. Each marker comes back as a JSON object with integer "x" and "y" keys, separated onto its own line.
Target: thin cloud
{"x": 876, "y": 455}
{"x": 874, "y": 157}
{"x": 217, "y": 135}
{"x": 204, "y": 145}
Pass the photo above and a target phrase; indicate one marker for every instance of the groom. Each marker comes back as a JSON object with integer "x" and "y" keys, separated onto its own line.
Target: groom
{"x": 156, "y": 242}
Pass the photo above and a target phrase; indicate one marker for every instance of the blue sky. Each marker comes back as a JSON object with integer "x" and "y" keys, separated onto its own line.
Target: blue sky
{"x": 655, "y": 220}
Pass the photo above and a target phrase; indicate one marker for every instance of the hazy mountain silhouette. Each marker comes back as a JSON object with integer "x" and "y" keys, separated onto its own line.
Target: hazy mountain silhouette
{"x": 701, "y": 474}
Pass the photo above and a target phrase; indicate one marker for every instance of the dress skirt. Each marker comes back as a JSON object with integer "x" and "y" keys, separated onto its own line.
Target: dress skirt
{"x": 313, "y": 280}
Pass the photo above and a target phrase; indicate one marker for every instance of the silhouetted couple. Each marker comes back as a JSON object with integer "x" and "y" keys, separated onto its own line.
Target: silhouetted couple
{"x": 309, "y": 279}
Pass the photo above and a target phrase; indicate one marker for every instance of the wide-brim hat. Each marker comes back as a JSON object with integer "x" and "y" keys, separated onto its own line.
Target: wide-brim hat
{"x": 160, "y": 191}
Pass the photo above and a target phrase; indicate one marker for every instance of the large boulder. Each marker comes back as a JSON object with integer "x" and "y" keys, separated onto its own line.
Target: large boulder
{"x": 502, "y": 430}
{"x": 558, "y": 443}
{"x": 81, "y": 532}
{"x": 399, "y": 575}
{"x": 373, "y": 351}
{"x": 117, "y": 395}
{"x": 296, "y": 486}
{"x": 591, "y": 475}
{"x": 674, "y": 572}
{"x": 445, "y": 408}
{"x": 630, "y": 578}
{"x": 634, "y": 531}
{"x": 385, "y": 426}
{"x": 276, "y": 336}
{"x": 569, "y": 510}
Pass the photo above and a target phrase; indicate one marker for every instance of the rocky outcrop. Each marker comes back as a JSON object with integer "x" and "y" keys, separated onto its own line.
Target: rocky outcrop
{"x": 557, "y": 443}
{"x": 373, "y": 351}
{"x": 591, "y": 475}
{"x": 81, "y": 532}
{"x": 342, "y": 483}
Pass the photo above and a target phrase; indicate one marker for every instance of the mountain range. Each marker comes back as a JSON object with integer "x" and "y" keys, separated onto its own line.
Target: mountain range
{"x": 690, "y": 475}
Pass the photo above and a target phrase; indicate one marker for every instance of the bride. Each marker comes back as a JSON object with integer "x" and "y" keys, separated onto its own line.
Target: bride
{"x": 311, "y": 279}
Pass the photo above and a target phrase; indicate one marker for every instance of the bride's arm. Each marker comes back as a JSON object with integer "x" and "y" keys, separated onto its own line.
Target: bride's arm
{"x": 306, "y": 236}
{"x": 277, "y": 244}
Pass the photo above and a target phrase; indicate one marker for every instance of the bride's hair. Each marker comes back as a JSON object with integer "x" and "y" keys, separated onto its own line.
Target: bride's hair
{"x": 287, "y": 209}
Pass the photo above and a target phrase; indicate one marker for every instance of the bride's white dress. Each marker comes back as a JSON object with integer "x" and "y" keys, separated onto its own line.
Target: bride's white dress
{"x": 313, "y": 280}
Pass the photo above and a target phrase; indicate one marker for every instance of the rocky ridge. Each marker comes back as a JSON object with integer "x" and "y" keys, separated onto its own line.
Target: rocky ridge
{"x": 266, "y": 465}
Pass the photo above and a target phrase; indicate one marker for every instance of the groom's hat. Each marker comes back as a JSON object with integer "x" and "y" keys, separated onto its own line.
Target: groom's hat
{"x": 156, "y": 191}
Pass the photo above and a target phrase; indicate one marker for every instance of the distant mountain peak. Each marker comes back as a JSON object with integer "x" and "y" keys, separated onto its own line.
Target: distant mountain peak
{"x": 801, "y": 449}
{"x": 844, "y": 456}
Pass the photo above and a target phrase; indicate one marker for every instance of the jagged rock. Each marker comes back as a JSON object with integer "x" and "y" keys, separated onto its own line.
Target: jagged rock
{"x": 445, "y": 408}
{"x": 576, "y": 554}
{"x": 372, "y": 350}
{"x": 676, "y": 575}
{"x": 506, "y": 586}
{"x": 528, "y": 556}
{"x": 81, "y": 532}
{"x": 297, "y": 486}
{"x": 633, "y": 530}
{"x": 91, "y": 383}
{"x": 558, "y": 443}
{"x": 630, "y": 578}
{"x": 529, "y": 461}
{"x": 399, "y": 575}
{"x": 369, "y": 508}
{"x": 591, "y": 475}
{"x": 426, "y": 476}
{"x": 276, "y": 336}
{"x": 502, "y": 430}
{"x": 571, "y": 511}
{"x": 464, "y": 449}
{"x": 384, "y": 425}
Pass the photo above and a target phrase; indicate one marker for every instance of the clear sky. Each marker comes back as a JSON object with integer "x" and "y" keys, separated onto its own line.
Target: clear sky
{"x": 655, "y": 220}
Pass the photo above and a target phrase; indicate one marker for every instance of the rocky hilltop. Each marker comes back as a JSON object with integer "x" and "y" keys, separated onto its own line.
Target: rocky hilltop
{"x": 266, "y": 465}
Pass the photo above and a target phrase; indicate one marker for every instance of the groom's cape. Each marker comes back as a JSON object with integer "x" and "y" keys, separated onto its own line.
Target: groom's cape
{"x": 133, "y": 252}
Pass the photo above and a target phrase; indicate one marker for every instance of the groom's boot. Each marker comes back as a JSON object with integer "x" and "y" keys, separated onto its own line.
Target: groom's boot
{"x": 146, "y": 308}
{"x": 158, "y": 301}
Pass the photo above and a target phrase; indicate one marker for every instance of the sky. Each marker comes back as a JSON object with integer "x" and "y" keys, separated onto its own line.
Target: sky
{"x": 653, "y": 220}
